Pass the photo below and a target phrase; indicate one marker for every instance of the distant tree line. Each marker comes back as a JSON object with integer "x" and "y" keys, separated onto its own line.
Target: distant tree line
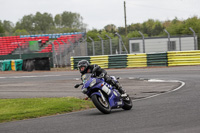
{"x": 149, "y": 28}
{"x": 43, "y": 23}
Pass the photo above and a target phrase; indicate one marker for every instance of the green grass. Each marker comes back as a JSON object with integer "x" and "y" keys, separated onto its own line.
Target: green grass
{"x": 25, "y": 108}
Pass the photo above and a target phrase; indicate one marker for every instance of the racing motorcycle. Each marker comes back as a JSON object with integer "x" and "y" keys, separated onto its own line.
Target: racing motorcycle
{"x": 104, "y": 96}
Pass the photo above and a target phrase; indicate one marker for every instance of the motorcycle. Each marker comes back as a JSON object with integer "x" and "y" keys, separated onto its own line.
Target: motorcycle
{"x": 104, "y": 96}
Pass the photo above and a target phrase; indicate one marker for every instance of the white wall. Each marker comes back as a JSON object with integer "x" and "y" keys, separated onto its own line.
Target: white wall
{"x": 187, "y": 43}
{"x": 160, "y": 44}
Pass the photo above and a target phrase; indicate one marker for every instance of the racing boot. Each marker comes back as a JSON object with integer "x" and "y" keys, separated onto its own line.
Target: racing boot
{"x": 121, "y": 91}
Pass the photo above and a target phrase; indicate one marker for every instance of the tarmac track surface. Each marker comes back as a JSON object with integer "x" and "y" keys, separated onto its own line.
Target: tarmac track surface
{"x": 175, "y": 112}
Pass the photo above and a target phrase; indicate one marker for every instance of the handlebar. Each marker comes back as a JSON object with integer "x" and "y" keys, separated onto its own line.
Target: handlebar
{"x": 77, "y": 85}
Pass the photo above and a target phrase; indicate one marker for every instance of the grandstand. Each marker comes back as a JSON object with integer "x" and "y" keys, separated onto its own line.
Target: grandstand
{"x": 61, "y": 40}
{"x": 10, "y": 44}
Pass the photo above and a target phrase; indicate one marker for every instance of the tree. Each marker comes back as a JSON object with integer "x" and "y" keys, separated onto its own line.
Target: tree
{"x": 58, "y": 20}
{"x": 21, "y": 32}
{"x": 134, "y": 34}
{"x": 8, "y": 26}
{"x": 166, "y": 23}
{"x": 38, "y": 22}
{"x": 1, "y": 29}
{"x": 121, "y": 30}
{"x": 93, "y": 34}
{"x": 72, "y": 20}
{"x": 157, "y": 28}
{"x": 175, "y": 27}
{"x": 67, "y": 21}
{"x": 193, "y": 22}
{"x": 147, "y": 27}
{"x": 43, "y": 22}
{"x": 25, "y": 23}
{"x": 111, "y": 28}
{"x": 134, "y": 27}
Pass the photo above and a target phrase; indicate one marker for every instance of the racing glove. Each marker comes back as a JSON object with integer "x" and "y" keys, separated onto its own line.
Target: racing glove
{"x": 102, "y": 75}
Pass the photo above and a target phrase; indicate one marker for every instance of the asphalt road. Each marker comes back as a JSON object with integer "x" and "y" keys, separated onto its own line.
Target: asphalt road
{"x": 174, "y": 112}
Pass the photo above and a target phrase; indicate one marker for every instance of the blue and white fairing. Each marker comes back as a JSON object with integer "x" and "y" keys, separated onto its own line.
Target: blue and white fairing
{"x": 95, "y": 86}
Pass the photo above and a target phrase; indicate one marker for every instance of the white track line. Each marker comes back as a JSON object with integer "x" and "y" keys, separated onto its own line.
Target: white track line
{"x": 158, "y": 80}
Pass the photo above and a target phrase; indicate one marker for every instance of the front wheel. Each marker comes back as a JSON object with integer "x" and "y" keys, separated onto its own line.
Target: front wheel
{"x": 102, "y": 106}
{"x": 127, "y": 103}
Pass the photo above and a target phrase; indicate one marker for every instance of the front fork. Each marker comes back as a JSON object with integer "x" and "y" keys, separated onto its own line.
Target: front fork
{"x": 102, "y": 96}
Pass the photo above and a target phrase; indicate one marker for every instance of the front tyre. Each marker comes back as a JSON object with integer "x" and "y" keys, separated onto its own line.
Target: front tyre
{"x": 127, "y": 103}
{"x": 102, "y": 106}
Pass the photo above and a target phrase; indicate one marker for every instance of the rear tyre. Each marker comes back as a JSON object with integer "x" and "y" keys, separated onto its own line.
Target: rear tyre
{"x": 127, "y": 103}
{"x": 102, "y": 106}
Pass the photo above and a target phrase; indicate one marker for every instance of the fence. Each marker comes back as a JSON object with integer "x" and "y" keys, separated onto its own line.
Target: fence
{"x": 63, "y": 50}
{"x": 110, "y": 46}
{"x": 80, "y": 47}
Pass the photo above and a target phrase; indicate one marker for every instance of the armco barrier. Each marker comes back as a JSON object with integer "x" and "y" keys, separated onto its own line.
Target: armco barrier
{"x": 111, "y": 61}
{"x": 172, "y": 58}
{"x": 123, "y": 60}
{"x": 102, "y": 61}
{"x": 136, "y": 60}
{"x": 157, "y": 59}
{"x": 74, "y": 61}
{"x": 183, "y": 58}
{"x": 117, "y": 61}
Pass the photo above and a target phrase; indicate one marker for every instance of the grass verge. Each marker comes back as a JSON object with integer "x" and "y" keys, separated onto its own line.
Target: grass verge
{"x": 25, "y": 108}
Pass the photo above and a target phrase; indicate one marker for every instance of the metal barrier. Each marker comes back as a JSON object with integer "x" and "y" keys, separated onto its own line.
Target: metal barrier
{"x": 157, "y": 59}
{"x": 102, "y": 61}
{"x": 175, "y": 58}
{"x": 117, "y": 61}
{"x": 182, "y": 58}
{"x": 137, "y": 60}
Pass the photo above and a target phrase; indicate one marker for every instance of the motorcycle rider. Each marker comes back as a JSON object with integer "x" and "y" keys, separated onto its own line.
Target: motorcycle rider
{"x": 85, "y": 67}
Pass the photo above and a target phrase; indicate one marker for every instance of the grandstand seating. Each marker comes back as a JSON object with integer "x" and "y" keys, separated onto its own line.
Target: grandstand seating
{"x": 61, "y": 40}
{"x": 10, "y": 43}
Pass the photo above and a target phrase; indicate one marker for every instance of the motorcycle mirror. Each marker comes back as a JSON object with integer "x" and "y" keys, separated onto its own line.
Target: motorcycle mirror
{"x": 77, "y": 85}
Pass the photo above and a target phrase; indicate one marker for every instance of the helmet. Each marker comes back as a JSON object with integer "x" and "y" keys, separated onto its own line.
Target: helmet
{"x": 83, "y": 63}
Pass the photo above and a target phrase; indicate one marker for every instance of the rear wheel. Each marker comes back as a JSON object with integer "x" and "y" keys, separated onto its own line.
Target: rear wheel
{"x": 127, "y": 103}
{"x": 101, "y": 105}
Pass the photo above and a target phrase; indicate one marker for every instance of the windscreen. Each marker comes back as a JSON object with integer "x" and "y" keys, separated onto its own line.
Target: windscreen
{"x": 86, "y": 77}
